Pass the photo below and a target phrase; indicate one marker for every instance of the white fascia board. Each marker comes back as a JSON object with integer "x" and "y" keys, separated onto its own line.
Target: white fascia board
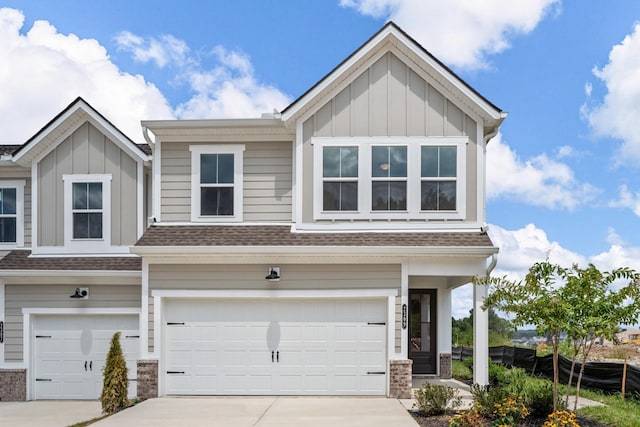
{"x": 70, "y": 273}
{"x": 274, "y": 293}
{"x": 209, "y": 123}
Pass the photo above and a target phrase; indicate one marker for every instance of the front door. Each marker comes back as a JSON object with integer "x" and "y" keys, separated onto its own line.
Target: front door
{"x": 422, "y": 330}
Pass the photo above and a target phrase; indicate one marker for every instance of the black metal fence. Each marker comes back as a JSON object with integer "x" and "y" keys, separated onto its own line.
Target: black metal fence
{"x": 606, "y": 377}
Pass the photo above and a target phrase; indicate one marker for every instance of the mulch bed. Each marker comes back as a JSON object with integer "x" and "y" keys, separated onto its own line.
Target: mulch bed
{"x": 443, "y": 421}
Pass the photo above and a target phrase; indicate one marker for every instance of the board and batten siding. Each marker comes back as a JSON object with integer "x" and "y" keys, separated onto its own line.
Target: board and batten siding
{"x": 389, "y": 99}
{"x": 87, "y": 151}
{"x": 22, "y": 296}
{"x": 15, "y": 173}
{"x": 267, "y": 168}
{"x": 293, "y": 277}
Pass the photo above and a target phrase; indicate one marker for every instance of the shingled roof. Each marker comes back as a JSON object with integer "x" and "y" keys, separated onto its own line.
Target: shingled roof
{"x": 20, "y": 260}
{"x": 281, "y": 235}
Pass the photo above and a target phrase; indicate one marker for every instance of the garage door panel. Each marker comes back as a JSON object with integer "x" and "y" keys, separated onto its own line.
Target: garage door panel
{"x": 324, "y": 347}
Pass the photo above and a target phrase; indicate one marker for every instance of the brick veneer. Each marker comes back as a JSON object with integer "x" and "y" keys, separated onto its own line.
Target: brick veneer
{"x": 147, "y": 385}
{"x": 445, "y": 366}
{"x": 13, "y": 385}
{"x": 401, "y": 381}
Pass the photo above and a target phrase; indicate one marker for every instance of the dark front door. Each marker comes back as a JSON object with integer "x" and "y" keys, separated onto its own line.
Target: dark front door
{"x": 422, "y": 330}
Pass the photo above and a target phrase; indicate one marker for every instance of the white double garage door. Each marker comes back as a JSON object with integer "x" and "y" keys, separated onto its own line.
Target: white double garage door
{"x": 274, "y": 347}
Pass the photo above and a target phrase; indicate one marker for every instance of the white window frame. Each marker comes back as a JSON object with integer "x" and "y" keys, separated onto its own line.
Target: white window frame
{"x": 196, "y": 151}
{"x": 340, "y": 179}
{"x": 18, "y": 185}
{"x": 414, "y": 178}
{"x": 87, "y": 244}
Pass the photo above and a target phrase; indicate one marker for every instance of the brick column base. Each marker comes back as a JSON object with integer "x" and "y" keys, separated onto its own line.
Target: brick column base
{"x": 13, "y": 385}
{"x": 147, "y": 379}
{"x": 400, "y": 379}
{"x": 445, "y": 366}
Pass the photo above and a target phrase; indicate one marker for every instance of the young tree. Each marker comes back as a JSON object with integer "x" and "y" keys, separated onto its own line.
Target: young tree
{"x": 115, "y": 385}
{"x": 597, "y": 310}
{"x": 534, "y": 301}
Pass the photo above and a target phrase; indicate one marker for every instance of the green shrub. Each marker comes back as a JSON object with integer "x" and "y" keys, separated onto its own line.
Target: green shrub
{"x": 468, "y": 362}
{"x": 485, "y": 398}
{"x": 539, "y": 398}
{"x": 497, "y": 374}
{"x": 433, "y": 399}
{"x": 115, "y": 385}
{"x": 515, "y": 380}
{"x": 510, "y": 411}
{"x": 460, "y": 372}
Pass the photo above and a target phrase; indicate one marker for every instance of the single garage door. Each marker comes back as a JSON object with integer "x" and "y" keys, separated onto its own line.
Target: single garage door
{"x": 275, "y": 347}
{"x": 70, "y": 353}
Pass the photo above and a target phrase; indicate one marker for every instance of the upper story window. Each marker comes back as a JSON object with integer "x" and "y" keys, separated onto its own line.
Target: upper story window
{"x": 11, "y": 213}
{"x": 340, "y": 179}
{"x": 87, "y": 201}
{"x": 87, "y": 210}
{"x": 389, "y": 178}
{"x": 216, "y": 182}
{"x": 438, "y": 176}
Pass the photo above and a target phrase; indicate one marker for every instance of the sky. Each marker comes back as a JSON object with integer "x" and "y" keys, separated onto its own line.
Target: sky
{"x": 562, "y": 175}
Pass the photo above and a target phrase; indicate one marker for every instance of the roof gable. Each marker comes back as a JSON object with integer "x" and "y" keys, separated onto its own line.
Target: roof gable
{"x": 65, "y": 123}
{"x": 390, "y": 38}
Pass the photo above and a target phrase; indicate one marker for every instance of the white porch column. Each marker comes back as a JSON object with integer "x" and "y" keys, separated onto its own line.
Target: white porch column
{"x": 480, "y": 336}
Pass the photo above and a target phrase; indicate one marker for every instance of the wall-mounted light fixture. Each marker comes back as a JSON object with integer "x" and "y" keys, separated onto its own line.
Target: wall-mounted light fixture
{"x": 273, "y": 274}
{"x": 81, "y": 293}
{"x": 1, "y": 332}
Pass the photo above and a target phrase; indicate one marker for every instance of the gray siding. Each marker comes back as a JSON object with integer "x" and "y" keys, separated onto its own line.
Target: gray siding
{"x": 266, "y": 188}
{"x": 389, "y": 99}
{"x": 295, "y": 276}
{"x": 22, "y": 296}
{"x": 87, "y": 151}
{"x": 18, "y": 173}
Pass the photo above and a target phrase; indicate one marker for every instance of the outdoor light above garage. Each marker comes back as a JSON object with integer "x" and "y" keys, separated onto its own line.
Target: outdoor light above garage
{"x": 274, "y": 274}
{"x": 81, "y": 293}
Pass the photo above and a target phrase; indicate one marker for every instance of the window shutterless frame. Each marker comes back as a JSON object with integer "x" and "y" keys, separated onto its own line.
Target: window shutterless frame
{"x": 366, "y": 179}
{"x": 213, "y": 178}
{"x": 11, "y": 213}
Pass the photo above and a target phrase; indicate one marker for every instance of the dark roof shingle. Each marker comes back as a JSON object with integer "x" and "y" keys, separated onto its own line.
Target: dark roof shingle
{"x": 281, "y": 235}
{"x": 21, "y": 260}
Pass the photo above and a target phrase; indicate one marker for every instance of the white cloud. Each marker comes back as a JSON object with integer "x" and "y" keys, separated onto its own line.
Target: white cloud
{"x": 474, "y": 29}
{"x": 539, "y": 181}
{"x": 228, "y": 89}
{"x": 617, "y": 115}
{"x": 627, "y": 199}
{"x": 161, "y": 51}
{"x": 42, "y": 70}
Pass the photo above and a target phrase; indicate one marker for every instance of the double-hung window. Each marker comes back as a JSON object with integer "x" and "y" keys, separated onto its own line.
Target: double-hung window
{"x": 11, "y": 213}
{"x": 216, "y": 182}
{"x": 87, "y": 200}
{"x": 438, "y": 178}
{"x": 389, "y": 178}
{"x": 340, "y": 179}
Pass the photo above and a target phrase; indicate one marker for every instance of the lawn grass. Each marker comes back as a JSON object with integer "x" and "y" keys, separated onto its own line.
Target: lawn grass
{"x": 618, "y": 412}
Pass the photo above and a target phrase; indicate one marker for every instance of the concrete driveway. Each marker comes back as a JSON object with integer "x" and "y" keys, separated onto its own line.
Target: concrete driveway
{"x": 264, "y": 412}
{"x": 48, "y": 413}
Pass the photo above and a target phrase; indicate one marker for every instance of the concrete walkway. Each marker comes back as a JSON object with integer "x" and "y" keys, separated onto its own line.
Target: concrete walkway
{"x": 48, "y": 413}
{"x": 263, "y": 412}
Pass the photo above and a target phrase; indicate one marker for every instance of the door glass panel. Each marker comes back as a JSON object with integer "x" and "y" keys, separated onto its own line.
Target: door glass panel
{"x": 420, "y": 338}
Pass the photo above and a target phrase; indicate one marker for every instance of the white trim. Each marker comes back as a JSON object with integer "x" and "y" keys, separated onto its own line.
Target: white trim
{"x": 238, "y": 173}
{"x": 156, "y": 183}
{"x": 85, "y": 249}
{"x": 140, "y": 219}
{"x": 298, "y": 176}
{"x": 72, "y": 245}
{"x": 413, "y": 179}
{"x": 35, "y": 212}
{"x": 144, "y": 313}
{"x": 27, "y": 325}
{"x": 19, "y": 185}
{"x": 274, "y": 293}
{"x": 70, "y": 273}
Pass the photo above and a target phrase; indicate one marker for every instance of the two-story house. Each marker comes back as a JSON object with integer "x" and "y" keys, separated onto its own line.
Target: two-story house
{"x": 308, "y": 252}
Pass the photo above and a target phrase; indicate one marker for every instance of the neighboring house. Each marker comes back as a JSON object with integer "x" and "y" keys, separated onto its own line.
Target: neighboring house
{"x": 309, "y": 252}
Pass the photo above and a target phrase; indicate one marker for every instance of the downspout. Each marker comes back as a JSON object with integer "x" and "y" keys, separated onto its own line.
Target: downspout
{"x": 152, "y": 144}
